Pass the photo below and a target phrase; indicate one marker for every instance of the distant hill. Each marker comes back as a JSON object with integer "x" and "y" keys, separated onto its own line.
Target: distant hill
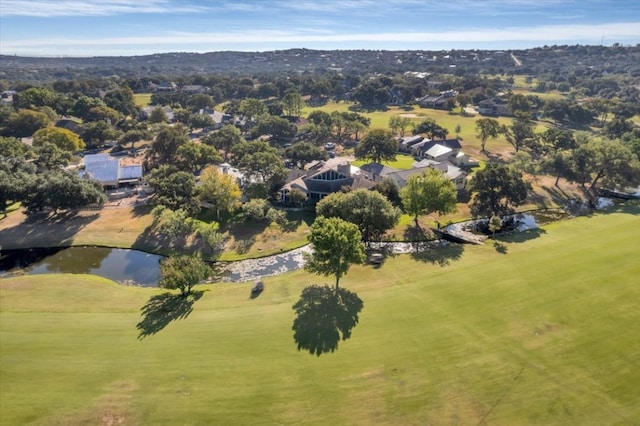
{"x": 613, "y": 59}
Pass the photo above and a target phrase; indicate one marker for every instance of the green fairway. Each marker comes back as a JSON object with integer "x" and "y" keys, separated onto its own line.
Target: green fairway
{"x": 540, "y": 330}
{"x": 142, "y": 99}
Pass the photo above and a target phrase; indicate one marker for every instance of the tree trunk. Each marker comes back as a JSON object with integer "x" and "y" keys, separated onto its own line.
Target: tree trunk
{"x": 557, "y": 179}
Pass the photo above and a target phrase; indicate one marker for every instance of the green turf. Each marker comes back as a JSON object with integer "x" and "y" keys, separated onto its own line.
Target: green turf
{"x": 402, "y": 162}
{"x": 541, "y": 331}
{"x": 142, "y": 99}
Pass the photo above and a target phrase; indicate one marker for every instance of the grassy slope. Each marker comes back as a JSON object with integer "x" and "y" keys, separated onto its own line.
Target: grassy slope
{"x": 543, "y": 334}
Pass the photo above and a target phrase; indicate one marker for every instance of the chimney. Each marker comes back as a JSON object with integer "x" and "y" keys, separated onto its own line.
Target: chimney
{"x": 345, "y": 169}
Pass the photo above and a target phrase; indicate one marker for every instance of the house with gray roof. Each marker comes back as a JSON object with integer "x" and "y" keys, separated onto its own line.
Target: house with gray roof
{"x": 107, "y": 170}
{"x": 322, "y": 178}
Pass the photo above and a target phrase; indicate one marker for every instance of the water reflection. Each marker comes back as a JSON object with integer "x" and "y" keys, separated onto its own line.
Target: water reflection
{"x": 127, "y": 266}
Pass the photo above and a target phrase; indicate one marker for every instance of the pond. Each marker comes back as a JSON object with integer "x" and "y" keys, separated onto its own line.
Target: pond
{"x": 121, "y": 265}
{"x": 133, "y": 267}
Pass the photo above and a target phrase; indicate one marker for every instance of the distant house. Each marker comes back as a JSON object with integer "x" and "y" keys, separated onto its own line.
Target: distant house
{"x": 145, "y": 112}
{"x": 70, "y": 123}
{"x": 6, "y": 97}
{"x": 167, "y": 86}
{"x": 321, "y": 178}
{"x": 433, "y": 101}
{"x": 407, "y": 142}
{"x": 193, "y": 89}
{"x": 495, "y": 106}
{"x": 379, "y": 172}
{"x": 420, "y": 149}
{"x": 108, "y": 172}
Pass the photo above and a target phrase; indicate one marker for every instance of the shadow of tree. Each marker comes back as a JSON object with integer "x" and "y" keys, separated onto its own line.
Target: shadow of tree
{"x": 500, "y": 247}
{"x": 45, "y": 230}
{"x": 324, "y": 316}
{"x": 523, "y": 236}
{"x": 162, "y": 309}
{"x": 417, "y": 233}
{"x": 441, "y": 254}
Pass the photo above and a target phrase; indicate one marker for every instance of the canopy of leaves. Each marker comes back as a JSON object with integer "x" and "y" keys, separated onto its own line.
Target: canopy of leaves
{"x": 219, "y": 189}
{"x": 429, "y": 192}
{"x": 182, "y": 272}
{"x": 497, "y": 190}
{"x": 378, "y": 145}
{"x": 337, "y": 245}
{"x": 62, "y": 190}
{"x": 487, "y": 128}
{"x": 64, "y": 139}
{"x": 174, "y": 189}
{"x": 370, "y": 211}
{"x": 168, "y": 141}
{"x": 25, "y": 123}
{"x": 16, "y": 176}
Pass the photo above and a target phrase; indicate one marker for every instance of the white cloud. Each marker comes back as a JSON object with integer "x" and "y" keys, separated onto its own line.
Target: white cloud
{"x": 559, "y": 33}
{"x": 57, "y": 8}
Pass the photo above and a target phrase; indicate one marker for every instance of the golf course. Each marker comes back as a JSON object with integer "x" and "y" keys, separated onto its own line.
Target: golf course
{"x": 540, "y": 328}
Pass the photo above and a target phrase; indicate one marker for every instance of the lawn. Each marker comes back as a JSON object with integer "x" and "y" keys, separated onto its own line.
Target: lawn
{"x": 541, "y": 331}
{"x": 402, "y": 162}
{"x": 142, "y": 99}
{"x": 467, "y": 123}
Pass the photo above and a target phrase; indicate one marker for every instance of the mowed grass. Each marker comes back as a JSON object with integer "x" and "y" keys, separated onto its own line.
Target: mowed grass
{"x": 470, "y": 141}
{"x": 544, "y": 334}
{"x": 142, "y": 99}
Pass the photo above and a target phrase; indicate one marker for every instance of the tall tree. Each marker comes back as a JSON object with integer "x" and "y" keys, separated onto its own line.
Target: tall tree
{"x": 337, "y": 245}
{"x": 62, "y": 190}
{"x": 98, "y": 132}
{"x": 220, "y": 190}
{"x": 304, "y": 152}
{"x": 429, "y": 192}
{"x": 174, "y": 189}
{"x": 497, "y": 190}
{"x": 16, "y": 176}
{"x": 607, "y": 162}
{"x": 519, "y": 133}
{"x": 378, "y": 145}
{"x": 225, "y": 138}
{"x": 25, "y": 123}
{"x": 183, "y": 273}
{"x": 193, "y": 156}
{"x": 370, "y": 211}
{"x": 487, "y": 128}
{"x": 168, "y": 141}
{"x": 64, "y": 139}
{"x": 293, "y": 104}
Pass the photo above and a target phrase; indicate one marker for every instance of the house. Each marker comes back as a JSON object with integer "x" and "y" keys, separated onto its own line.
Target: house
{"x": 167, "y": 86}
{"x": 145, "y": 112}
{"x": 6, "y": 97}
{"x": 379, "y": 172}
{"x": 193, "y": 89}
{"x": 405, "y": 143}
{"x": 70, "y": 123}
{"x": 321, "y": 178}
{"x": 107, "y": 170}
{"x": 432, "y": 101}
{"x": 495, "y": 106}
{"x": 419, "y": 149}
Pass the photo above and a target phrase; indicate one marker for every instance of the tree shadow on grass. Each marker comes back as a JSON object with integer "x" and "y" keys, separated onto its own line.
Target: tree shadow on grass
{"x": 46, "y": 230}
{"x": 418, "y": 233}
{"x": 441, "y": 254}
{"x": 162, "y": 309}
{"x": 500, "y": 247}
{"x": 523, "y": 236}
{"x": 324, "y": 316}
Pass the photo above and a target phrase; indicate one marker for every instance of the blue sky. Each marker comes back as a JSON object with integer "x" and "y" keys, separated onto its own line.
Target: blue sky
{"x": 140, "y": 27}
